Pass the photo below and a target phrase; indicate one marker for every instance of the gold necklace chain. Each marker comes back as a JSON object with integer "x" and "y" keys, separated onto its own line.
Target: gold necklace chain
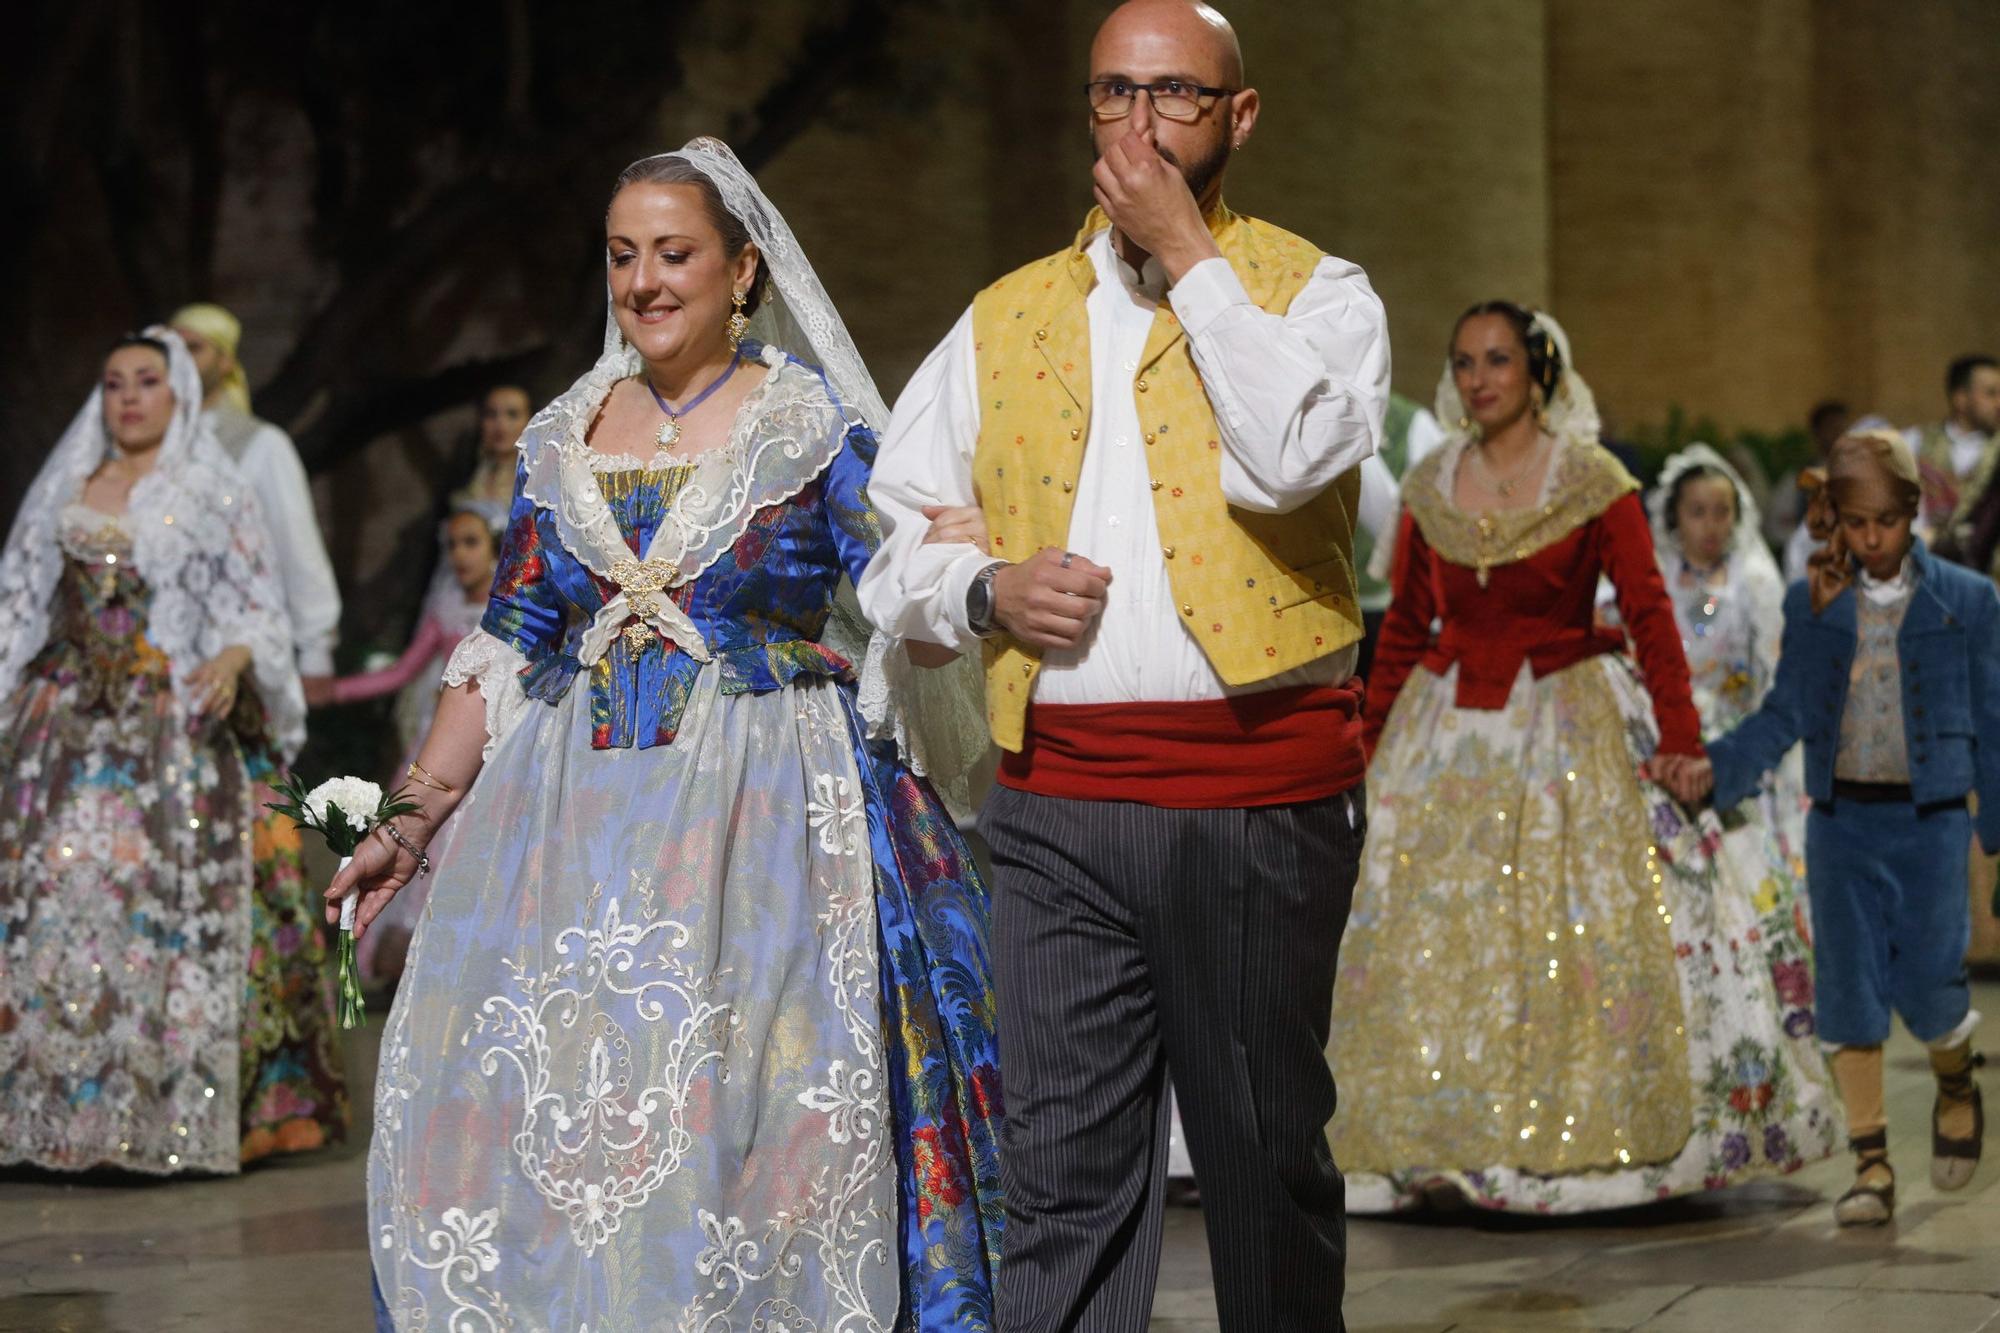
{"x": 1504, "y": 487}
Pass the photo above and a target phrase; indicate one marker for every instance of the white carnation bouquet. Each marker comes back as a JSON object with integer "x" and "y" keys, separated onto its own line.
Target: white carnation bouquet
{"x": 343, "y": 811}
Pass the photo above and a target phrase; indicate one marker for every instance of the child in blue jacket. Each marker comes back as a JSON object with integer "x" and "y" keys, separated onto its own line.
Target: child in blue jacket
{"x": 1889, "y": 671}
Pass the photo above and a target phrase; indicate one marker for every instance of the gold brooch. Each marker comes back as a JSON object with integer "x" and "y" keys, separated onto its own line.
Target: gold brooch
{"x": 642, "y": 582}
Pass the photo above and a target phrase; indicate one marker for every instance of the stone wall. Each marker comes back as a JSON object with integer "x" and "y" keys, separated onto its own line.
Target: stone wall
{"x": 1757, "y": 206}
{"x": 1411, "y": 138}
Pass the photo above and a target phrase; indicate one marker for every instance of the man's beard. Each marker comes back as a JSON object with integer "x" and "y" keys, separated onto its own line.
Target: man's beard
{"x": 1206, "y": 169}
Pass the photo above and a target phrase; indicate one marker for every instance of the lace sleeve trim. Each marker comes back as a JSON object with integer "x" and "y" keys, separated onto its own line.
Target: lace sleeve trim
{"x": 495, "y": 667}
{"x": 935, "y": 715}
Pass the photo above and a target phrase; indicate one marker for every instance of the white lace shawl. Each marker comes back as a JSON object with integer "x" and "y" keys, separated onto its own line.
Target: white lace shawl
{"x": 196, "y": 540}
{"x": 787, "y": 433}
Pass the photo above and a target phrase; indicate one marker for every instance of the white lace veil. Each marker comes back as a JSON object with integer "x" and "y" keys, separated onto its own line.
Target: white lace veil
{"x": 1749, "y": 523}
{"x": 796, "y": 315}
{"x": 1751, "y": 566}
{"x": 937, "y": 717}
{"x": 196, "y": 540}
{"x": 1572, "y": 413}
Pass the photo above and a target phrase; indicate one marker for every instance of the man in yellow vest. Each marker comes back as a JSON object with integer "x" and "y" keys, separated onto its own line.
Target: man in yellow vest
{"x": 1157, "y": 434}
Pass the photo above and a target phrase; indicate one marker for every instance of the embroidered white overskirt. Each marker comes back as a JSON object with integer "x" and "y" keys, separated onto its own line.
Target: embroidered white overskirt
{"x": 633, "y": 1077}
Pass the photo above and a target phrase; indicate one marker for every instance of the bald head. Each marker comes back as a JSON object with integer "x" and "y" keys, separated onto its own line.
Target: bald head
{"x": 1156, "y": 45}
{"x": 1181, "y": 36}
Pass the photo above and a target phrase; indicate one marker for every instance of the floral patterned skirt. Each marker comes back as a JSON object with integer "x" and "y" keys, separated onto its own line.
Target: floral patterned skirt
{"x": 1555, "y": 994}
{"x": 294, "y": 1089}
{"x": 164, "y": 1003}
{"x": 1764, "y": 841}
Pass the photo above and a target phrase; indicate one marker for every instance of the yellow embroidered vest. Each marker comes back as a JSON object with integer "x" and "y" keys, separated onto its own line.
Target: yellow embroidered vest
{"x": 1262, "y": 593}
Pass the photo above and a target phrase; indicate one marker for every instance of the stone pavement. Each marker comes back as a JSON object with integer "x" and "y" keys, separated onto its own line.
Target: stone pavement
{"x": 1763, "y": 1258}
{"x": 283, "y": 1248}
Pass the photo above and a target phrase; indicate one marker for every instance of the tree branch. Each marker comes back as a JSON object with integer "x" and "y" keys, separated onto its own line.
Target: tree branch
{"x": 798, "y": 99}
{"x": 352, "y": 423}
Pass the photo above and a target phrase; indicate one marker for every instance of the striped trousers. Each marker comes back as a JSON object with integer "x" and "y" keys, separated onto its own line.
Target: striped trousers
{"x": 1129, "y": 942}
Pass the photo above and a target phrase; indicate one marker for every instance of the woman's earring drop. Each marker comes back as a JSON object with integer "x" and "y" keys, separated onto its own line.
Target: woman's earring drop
{"x": 739, "y": 323}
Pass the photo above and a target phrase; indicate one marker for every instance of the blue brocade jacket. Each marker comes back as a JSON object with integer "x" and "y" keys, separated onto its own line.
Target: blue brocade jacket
{"x": 761, "y": 607}
{"x": 1950, "y": 651}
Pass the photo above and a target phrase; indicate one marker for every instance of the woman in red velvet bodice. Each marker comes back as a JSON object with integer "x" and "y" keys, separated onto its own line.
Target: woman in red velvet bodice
{"x": 1536, "y": 610}
{"x": 1552, "y": 997}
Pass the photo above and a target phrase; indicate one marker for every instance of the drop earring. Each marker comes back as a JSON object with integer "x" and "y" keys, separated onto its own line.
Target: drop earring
{"x": 739, "y": 323}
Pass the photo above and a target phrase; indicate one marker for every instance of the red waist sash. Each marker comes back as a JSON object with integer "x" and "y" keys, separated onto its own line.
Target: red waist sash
{"x": 1279, "y": 747}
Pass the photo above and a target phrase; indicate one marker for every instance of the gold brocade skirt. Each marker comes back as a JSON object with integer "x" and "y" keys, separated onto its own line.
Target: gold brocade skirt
{"x": 1556, "y": 994}
{"x": 1507, "y": 992}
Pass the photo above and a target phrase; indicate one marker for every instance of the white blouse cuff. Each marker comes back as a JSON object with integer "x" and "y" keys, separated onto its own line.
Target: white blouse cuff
{"x": 495, "y": 667}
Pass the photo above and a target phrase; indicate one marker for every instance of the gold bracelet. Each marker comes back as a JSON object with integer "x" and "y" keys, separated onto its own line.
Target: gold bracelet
{"x": 428, "y": 778}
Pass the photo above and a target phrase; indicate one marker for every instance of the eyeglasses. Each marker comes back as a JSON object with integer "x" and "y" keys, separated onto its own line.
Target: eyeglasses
{"x": 1176, "y": 99}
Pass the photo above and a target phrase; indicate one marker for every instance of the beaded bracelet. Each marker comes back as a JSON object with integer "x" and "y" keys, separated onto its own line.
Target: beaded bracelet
{"x": 396, "y": 836}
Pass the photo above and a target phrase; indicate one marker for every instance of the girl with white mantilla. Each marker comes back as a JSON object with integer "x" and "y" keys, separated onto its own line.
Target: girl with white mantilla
{"x": 1728, "y": 600}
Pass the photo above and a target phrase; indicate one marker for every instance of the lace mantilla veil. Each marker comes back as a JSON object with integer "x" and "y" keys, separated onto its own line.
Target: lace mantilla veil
{"x": 937, "y": 717}
{"x": 1751, "y": 566}
{"x": 1572, "y": 419}
{"x": 196, "y": 540}
{"x": 1749, "y": 522}
{"x": 1573, "y": 416}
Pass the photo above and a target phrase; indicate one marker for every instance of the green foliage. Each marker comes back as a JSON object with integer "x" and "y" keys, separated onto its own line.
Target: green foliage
{"x": 1776, "y": 452}
{"x": 353, "y": 1010}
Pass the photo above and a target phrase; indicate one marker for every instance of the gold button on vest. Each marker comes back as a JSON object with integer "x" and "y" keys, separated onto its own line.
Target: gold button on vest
{"x": 1276, "y": 590}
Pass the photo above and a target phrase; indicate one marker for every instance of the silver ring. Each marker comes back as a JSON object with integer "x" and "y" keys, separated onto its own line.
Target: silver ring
{"x": 1067, "y": 557}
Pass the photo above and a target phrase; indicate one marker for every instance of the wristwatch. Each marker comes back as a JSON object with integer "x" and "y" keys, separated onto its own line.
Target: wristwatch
{"x": 979, "y": 599}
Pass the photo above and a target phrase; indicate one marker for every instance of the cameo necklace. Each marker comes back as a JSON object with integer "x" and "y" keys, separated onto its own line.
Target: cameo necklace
{"x": 670, "y": 429}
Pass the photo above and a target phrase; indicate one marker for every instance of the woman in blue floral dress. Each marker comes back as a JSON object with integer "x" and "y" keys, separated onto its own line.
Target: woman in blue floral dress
{"x": 696, "y": 1031}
